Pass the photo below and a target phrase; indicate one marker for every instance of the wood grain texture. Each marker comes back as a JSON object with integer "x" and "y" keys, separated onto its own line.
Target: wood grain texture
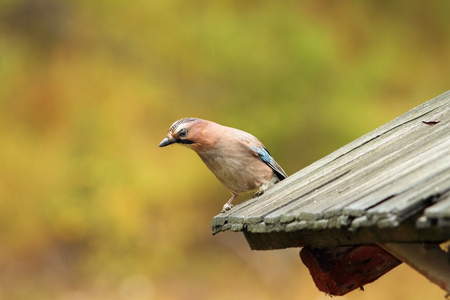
{"x": 390, "y": 182}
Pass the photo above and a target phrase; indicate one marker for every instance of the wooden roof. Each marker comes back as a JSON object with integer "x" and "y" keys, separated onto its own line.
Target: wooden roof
{"x": 390, "y": 185}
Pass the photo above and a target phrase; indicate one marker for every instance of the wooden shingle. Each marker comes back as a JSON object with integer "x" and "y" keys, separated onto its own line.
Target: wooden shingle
{"x": 391, "y": 185}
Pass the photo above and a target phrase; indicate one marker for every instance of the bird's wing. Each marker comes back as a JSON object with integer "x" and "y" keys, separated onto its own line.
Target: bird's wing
{"x": 265, "y": 156}
{"x": 256, "y": 147}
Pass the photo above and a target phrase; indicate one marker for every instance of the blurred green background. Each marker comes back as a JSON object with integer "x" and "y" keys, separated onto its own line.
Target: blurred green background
{"x": 91, "y": 208}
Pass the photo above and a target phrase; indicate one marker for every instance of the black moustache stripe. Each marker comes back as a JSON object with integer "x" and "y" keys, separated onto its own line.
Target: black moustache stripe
{"x": 185, "y": 142}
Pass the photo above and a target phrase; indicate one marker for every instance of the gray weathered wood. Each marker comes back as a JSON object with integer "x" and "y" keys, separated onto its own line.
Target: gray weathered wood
{"x": 390, "y": 185}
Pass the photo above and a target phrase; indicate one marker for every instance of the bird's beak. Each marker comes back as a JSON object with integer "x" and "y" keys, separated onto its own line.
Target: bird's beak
{"x": 166, "y": 141}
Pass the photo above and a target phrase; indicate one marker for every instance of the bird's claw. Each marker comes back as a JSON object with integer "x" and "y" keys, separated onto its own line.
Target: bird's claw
{"x": 258, "y": 193}
{"x": 226, "y": 207}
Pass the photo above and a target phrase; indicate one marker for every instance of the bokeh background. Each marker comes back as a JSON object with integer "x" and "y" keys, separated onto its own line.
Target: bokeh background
{"x": 91, "y": 208}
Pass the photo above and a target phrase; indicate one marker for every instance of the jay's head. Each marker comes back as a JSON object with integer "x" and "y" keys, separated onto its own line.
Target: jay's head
{"x": 186, "y": 131}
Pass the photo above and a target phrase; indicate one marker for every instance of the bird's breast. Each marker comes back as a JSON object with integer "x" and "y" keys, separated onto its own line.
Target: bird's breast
{"x": 239, "y": 172}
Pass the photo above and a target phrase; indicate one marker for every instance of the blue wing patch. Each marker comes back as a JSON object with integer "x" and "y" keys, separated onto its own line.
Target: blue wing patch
{"x": 263, "y": 154}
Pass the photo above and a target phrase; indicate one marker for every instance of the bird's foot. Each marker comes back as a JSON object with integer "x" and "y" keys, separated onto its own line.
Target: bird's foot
{"x": 227, "y": 207}
{"x": 258, "y": 193}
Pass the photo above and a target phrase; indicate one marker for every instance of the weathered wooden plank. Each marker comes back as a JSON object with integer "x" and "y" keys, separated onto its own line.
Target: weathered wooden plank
{"x": 395, "y": 162}
{"x": 315, "y": 170}
{"x": 333, "y": 237}
{"x": 408, "y": 175}
{"x": 414, "y": 199}
{"x": 317, "y": 209}
{"x": 363, "y": 180}
{"x": 364, "y": 183}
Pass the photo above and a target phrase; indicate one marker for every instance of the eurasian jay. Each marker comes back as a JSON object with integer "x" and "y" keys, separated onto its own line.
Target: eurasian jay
{"x": 237, "y": 158}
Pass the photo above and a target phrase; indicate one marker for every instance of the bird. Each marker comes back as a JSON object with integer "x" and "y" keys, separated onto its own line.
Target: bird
{"x": 237, "y": 158}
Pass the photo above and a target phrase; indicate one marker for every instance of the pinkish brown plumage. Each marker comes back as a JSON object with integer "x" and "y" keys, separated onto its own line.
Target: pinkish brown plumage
{"x": 237, "y": 158}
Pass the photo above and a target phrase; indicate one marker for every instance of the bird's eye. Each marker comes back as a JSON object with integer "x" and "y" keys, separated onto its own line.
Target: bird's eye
{"x": 182, "y": 133}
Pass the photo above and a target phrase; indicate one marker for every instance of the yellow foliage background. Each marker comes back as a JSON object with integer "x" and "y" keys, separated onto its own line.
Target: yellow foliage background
{"x": 91, "y": 208}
